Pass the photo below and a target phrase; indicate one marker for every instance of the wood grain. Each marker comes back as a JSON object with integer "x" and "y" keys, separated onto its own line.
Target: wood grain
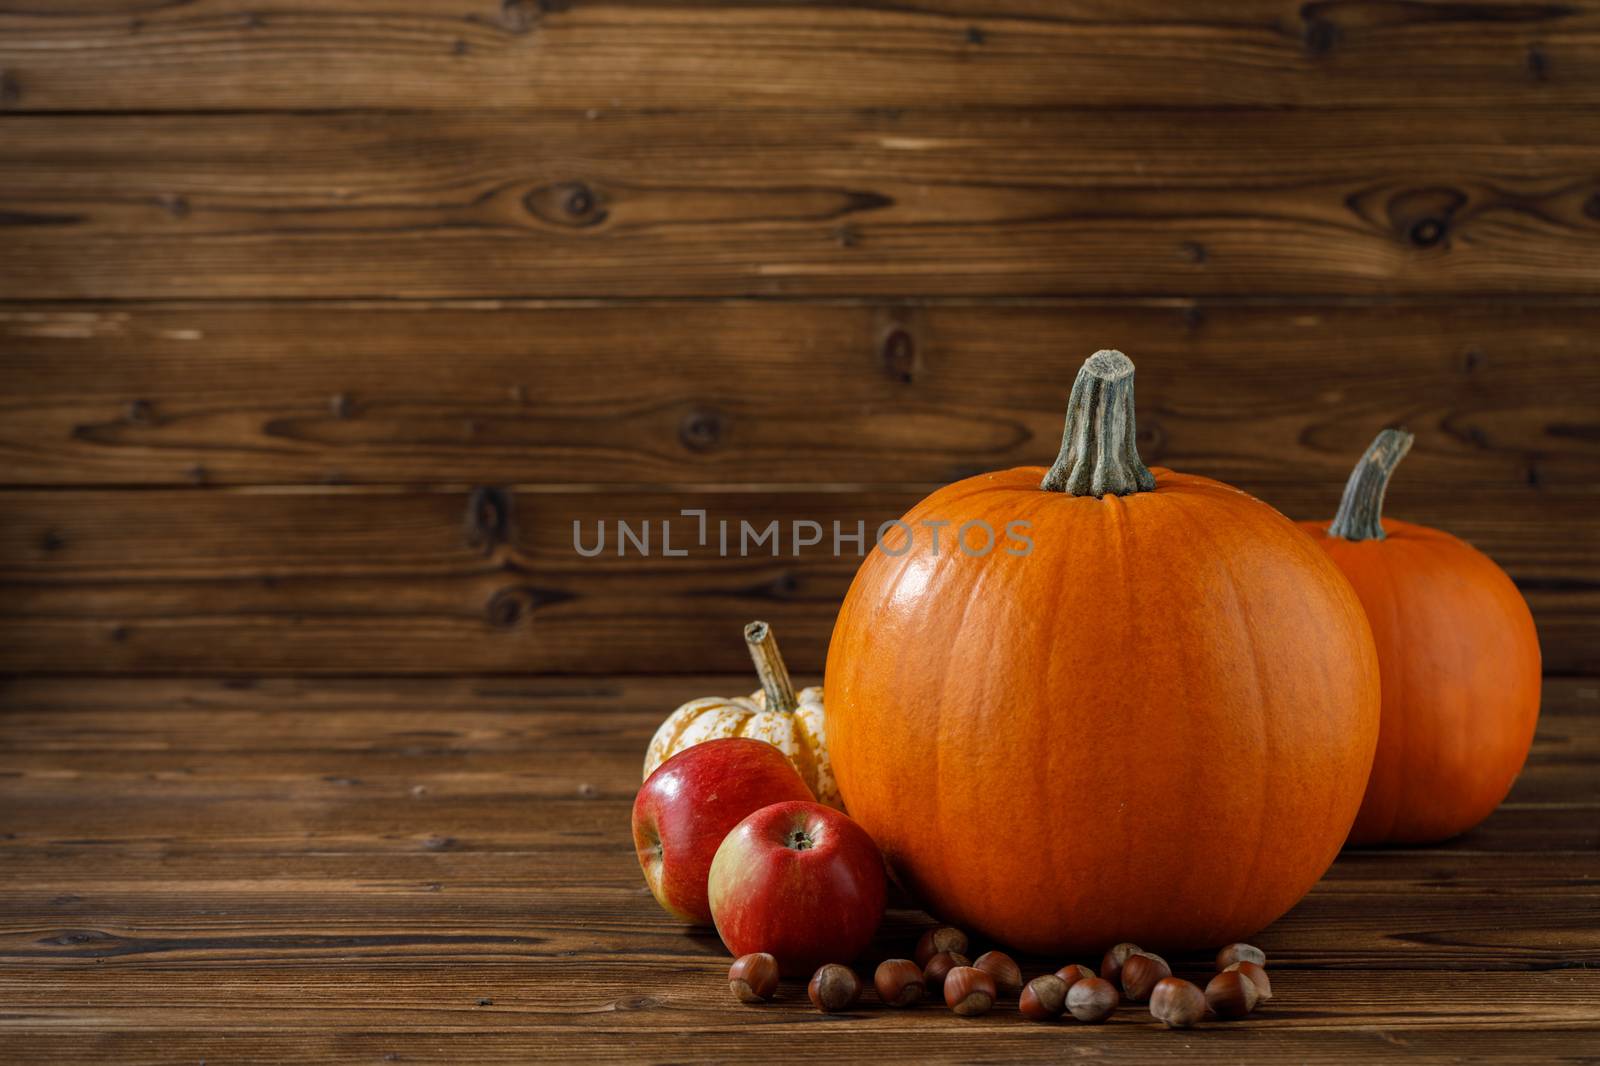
{"x": 374, "y": 580}
{"x": 1016, "y": 53}
{"x": 291, "y": 870}
{"x": 1501, "y": 396}
{"x": 495, "y": 204}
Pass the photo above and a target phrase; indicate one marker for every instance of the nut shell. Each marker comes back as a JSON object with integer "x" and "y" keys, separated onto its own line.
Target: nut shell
{"x": 1141, "y": 973}
{"x": 899, "y": 982}
{"x": 1043, "y": 999}
{"x": 938, "y": 967}
{"x": 753, "y": 978}
{"x": 1176, "y": 1003}
{"x": 1111, "y": 963}
{"x": 1240, "y": 953}
{"x": 1092, "y": 999}
{"x": 1230, "y": 994}
{"x": 944, "y": 938}
{"x": 1257, "y": 974}
{"x": 969, "y": 991}
{"x": 1003, "y": 968}
{"x": 834, "y": 988}
{"x": 1074, "y": 972}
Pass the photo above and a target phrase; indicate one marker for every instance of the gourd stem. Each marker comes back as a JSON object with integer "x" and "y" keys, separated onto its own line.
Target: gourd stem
{"x": 1099, "y": 453}
{"x": 1360, "y": 514}
{"x": 769, "y": 667}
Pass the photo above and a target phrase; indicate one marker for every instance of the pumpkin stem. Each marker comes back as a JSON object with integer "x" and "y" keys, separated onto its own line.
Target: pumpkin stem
{"x": 1099, "y": 454}
{"x": 769, "y": 667}
{"x": 1360, "y": 514}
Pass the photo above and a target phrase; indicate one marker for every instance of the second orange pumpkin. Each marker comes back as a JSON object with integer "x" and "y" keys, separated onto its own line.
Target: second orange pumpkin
{"x": 1459, "y": 658}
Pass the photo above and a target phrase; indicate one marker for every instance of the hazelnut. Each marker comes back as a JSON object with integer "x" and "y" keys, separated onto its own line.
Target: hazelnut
{"x": 1176, "y": 1003}
{"x": 1073, "y": 973}
{"x": 1003, "y": 968}
{"x": 969, "y": 991}
{"x": 1044, "y": 999}
{"x": 1230, "y": 994}
{"x": 1140, "y": 974}
{"x": 944, "y": 938}
{"x": 1258, "y": 976}
{"x": 834, "y": 988}
{"x": 899, "y": 982}
{"x": 754, "y": 978}
{"x": 1111, "y": 964}
{"x": 1240, "y": 953}
{"x": 1092, "y": 999}
{"x": 939, "y": 966}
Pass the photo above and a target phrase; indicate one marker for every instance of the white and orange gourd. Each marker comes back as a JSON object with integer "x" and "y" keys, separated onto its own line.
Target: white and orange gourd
{"x": 788, "y": 720}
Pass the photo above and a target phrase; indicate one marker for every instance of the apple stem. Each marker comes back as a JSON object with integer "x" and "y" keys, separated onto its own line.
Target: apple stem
{"x": 769, "y": 667}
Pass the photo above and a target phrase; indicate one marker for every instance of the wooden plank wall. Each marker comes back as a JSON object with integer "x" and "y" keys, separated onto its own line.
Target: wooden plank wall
{"x": 321, "y": 323}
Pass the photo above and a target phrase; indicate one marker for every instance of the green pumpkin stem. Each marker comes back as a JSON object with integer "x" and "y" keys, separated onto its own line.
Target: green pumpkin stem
{"x": 1360, "y": 514}
{"x": 769, "y": 667}
{"x": 1099, "y": 453}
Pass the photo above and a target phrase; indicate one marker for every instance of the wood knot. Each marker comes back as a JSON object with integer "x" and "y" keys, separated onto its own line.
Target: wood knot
{"x": 72, "y": 938}
{"x": 1427, "y": 232}
{"x": 504, "y": 608}
{"x": 488, "y": 518}
{"x": 1319, "y": 37}
{"x": 1424, "y": 217}
{"x": 508, "y": 605}
{"x": 52, "y": 541}
{"x": 975, "y": 35}
{"x": 637, "y": 1003}
{"x": 141, "y": 412}
{"x": 1472, "y": 361}
{"x": 1194, "y": 251}
{"x": 519, "y": 16}
{"x": 1591, "y": 207}
{"x": 340, "y": 405}
{"x": 1151, "y": 438}
{"x": 1538, "y": 63}
{"x": 782, "y": 587}
{"x": 899, "y": 354}
{"x": 575, "y": 204}
{"x": 701, "y": 430}
{"x": 175, "y": 205}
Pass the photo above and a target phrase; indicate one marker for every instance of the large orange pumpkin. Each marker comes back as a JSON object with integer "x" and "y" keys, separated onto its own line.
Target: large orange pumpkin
{"x": 1459, "y": 658}
{"x": 1155, "y": 725}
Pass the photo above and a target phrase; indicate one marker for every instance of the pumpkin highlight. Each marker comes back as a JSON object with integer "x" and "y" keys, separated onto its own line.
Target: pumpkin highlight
{"x": 1154, "y": 726}
{"x": 1458, "y": 654}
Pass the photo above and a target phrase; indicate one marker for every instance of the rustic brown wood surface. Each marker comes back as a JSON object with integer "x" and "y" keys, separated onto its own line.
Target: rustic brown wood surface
{"x": 388, "y": 580}
{"x": 133, "y": 54}
{"x": 363, "y": 871}
{"x": 995, "y": 203}
{"x": 321, "y": 324}
{"x": 1502, "y": 395}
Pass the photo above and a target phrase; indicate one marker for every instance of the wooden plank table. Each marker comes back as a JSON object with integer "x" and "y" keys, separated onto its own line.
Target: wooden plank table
{"x": 413, "y": 870}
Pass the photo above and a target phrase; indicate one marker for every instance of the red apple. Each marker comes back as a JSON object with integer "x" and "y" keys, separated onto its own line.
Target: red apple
{"x": 800, "y": 881}
{"x": 689, "y": 804}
